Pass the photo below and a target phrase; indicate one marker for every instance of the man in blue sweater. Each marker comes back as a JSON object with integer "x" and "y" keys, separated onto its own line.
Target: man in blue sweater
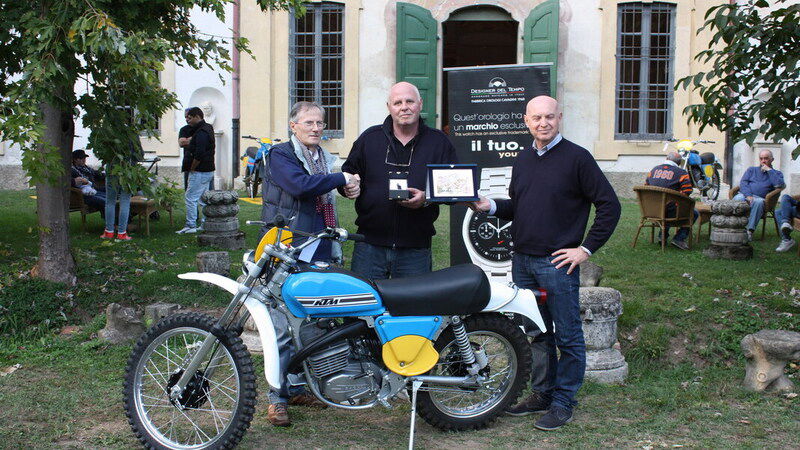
{"x": 756, "y": 183}
{"x": 553, "y": 186}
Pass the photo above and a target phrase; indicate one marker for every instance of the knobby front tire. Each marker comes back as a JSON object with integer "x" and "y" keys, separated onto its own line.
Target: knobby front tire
{"x": 217, "y": 405}
{"x": 509, "y": 355}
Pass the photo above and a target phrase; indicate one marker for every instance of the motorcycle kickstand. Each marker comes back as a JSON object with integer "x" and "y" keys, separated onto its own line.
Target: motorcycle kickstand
{"x": 415, "y": 385}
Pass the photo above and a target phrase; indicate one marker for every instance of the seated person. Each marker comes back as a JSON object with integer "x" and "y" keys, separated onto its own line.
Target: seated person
{"x": 669, "y": 175}
{"x": 87, "y": 180}
{"x": 756, "y": 183}
{"x": 790, "y": 209}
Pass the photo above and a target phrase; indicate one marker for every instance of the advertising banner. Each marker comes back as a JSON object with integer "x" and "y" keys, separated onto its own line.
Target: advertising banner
{"x": 486, "y": 110}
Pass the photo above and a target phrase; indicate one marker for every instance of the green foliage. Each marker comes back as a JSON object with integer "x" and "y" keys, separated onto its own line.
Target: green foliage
{"x": 167, "y": 193}
{"x": 116, "y": 47}
{"x": 754, "y": 84}
{"x": 653, "y": 342}
{"x": 31, "y": 309}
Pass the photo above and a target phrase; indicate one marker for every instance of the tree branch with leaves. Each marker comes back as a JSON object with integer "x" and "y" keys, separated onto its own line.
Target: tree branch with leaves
{"x": 48, "y": 46}
{"x": 753, "y": 87}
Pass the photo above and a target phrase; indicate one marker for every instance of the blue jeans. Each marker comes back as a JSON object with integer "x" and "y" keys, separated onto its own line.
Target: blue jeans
{"x": 788, "y": 210}
{"x": 198, "y": 184}
{"x": 113, "y": 190}
{"x": 377, "y": 262}
{"x": 683, "y": 232}
{"x": 756, "y": 210}
{"x": 286, "y": 350}
{"x": 96, "y": 201}
{"x": 554, "y": 377}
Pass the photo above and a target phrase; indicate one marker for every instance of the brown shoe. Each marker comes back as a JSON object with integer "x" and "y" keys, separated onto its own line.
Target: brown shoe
{"x": 278, "y": 415}
{"x": 307, "y": 400}
{"x": 535, "y": 403}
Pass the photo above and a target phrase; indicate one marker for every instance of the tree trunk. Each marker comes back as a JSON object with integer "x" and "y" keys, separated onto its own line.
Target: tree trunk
{"x": 52, "y": 202}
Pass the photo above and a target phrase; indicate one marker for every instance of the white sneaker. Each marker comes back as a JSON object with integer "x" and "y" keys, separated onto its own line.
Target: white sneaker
{"x": 186, "y": 230}
{"x": 786, "y": 226}
{"x": 785, "y": 245}
{"x": 749, "y": 235}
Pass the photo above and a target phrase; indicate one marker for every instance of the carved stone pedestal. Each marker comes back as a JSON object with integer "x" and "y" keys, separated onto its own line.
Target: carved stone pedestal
{"x": 728, "y": 235}
{"x": 600, "y": 308}
{"x": 122, "y": 324}
{"x": 767, "y": 353}
{"x": 221, "y": 227}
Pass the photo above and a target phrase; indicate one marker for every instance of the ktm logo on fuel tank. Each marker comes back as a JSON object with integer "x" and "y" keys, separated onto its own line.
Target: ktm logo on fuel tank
{"x": 339, "y": 300}
{"x": 326, "y": 302}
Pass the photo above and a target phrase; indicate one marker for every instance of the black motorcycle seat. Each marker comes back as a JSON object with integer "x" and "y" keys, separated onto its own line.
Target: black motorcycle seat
{"x": 461, "y": 289}
{"x": 706, "y": 158}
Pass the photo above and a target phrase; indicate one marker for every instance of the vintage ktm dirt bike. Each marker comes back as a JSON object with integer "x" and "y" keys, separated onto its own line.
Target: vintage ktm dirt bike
{"x": 445, "y": 337}
{"x": 703, "y": 168}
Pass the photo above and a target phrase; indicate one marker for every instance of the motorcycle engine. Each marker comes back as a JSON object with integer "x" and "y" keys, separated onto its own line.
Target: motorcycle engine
{"x": 347, "y": 372}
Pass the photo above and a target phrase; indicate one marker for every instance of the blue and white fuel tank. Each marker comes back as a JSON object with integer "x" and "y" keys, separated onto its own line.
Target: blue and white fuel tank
{"x": 321, "y": 290}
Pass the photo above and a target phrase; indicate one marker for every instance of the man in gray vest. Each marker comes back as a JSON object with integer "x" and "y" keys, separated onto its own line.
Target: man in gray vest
{"x": 298, "y": 184}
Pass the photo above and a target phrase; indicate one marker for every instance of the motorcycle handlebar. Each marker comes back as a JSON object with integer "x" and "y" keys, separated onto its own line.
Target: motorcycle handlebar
{"x": 355, "y": 237}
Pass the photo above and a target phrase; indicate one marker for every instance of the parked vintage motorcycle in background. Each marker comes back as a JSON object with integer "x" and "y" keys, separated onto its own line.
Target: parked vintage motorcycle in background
{"x": 255, "y": 161}
{"x": 703, "y": 168}
{"x": 445, "y": 336}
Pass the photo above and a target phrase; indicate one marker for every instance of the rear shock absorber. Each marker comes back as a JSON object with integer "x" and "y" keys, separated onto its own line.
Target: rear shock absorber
{"x": 464, "y": 346}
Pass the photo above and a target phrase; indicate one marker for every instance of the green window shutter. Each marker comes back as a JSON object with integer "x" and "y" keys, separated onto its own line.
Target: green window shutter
{"x": 541, "y": 38}
{"x": 416, "y": 54}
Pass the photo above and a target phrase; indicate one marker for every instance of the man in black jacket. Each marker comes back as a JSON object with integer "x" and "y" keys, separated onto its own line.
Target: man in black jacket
{"x": 201, "y": 170}
{"x": 397, "y": 232}
{"x": 184, "y": 137}
{"x": 553, "y": 186}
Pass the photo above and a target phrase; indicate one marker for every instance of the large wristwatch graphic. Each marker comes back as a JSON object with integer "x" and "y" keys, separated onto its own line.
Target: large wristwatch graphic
{"x": 488, "y": 238}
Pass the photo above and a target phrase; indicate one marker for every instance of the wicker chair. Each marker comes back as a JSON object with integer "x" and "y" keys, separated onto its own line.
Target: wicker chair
{"x": 653, "y": 202}
{"x": 76, "y": 204}
{"x": 770, "y": 201}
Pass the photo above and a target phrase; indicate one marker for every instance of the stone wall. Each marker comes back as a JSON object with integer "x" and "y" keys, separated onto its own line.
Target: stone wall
{"x": 623, "y": 182}
{"x": 12, "y": 177}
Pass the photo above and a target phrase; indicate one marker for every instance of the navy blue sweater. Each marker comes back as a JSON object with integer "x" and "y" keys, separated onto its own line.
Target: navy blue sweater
{"x": 551, "y": 196}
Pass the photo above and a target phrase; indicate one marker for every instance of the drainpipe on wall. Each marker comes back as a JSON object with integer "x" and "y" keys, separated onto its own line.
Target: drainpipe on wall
{"x": 235, "y": 88}
{"x": 727, "y": 171}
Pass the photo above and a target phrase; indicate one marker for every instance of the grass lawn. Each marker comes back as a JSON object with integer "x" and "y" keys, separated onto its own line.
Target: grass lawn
{"x": 684, "y": 316}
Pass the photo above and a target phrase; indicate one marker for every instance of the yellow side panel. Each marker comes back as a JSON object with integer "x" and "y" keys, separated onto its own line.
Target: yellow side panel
{"x": 409, "y": 355}
{"x": 709, "y": 169}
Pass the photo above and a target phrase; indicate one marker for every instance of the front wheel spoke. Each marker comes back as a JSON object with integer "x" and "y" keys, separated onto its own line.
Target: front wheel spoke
{"x": 214, "y": 413}
{"x": 197, "y": 429}
{"x": 153, "y": 377}
{"x": 220, "y": 387}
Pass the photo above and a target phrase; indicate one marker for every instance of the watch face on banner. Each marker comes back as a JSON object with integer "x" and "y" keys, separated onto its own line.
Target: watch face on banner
{"x": 490, "y": 237}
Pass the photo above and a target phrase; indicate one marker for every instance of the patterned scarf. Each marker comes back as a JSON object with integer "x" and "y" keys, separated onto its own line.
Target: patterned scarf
{"x": 324, "y": 202}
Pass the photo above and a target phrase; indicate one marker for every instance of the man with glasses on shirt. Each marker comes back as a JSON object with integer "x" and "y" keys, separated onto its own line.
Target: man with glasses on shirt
{"x": 397, "y": 230}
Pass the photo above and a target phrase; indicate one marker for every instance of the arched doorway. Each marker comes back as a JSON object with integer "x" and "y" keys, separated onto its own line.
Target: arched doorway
{"x": 477, "y": 36}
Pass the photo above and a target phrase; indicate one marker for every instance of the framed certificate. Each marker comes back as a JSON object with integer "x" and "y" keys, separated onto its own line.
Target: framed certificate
{"x": 452, "y": 183}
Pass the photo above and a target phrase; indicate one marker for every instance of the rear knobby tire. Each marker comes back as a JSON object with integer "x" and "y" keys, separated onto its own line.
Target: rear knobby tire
{"x": 507, "y": 349}
{"x": 215, "y": 413}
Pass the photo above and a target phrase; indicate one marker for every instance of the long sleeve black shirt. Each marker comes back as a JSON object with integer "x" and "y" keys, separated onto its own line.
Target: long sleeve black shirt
{"x": 551, "y": 196}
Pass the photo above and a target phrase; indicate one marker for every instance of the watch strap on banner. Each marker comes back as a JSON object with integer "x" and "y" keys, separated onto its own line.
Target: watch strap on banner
{"x": 494, "y": 184}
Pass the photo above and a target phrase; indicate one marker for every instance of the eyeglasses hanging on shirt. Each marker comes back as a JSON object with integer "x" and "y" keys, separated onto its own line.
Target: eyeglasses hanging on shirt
{"x": 398, "y": 178}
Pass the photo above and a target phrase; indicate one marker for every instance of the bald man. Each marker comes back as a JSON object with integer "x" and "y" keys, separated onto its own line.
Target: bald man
{"x": 397, "y": 231}
{"x": 757, "y": 182}
{"x": 553, "y": 186}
